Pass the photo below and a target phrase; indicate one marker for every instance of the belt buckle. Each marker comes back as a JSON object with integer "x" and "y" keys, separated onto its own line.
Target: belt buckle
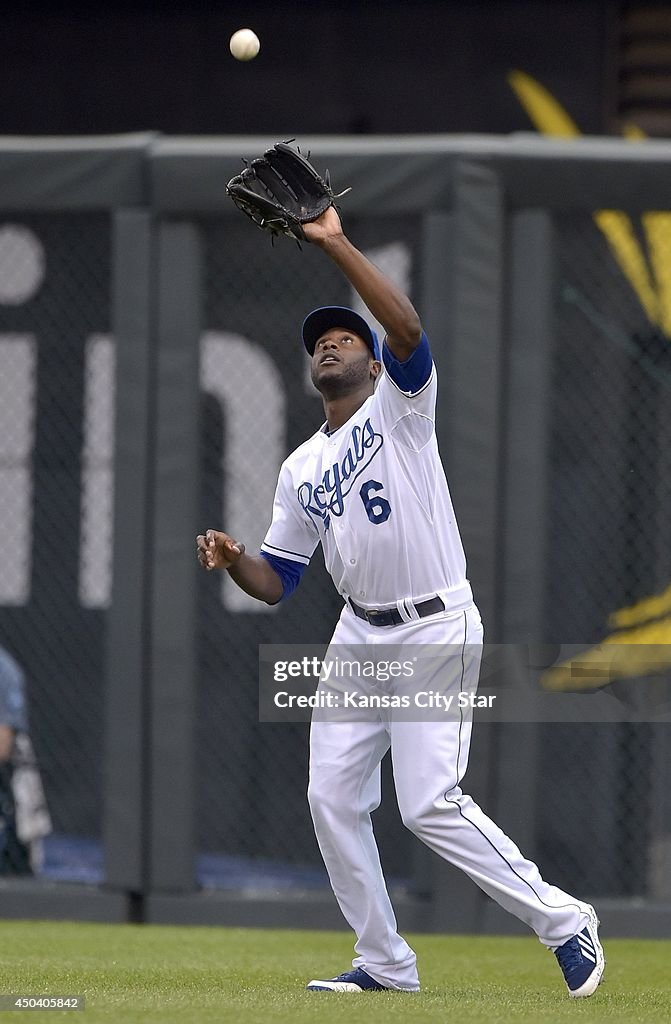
{"x": 379, "y": 618}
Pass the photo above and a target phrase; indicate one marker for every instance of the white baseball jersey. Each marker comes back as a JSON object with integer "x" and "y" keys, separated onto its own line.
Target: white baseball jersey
{"x": 374, "y": 493}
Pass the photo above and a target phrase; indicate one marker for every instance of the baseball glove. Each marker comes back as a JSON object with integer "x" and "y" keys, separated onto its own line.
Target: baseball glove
{"x": 281, "y": 191}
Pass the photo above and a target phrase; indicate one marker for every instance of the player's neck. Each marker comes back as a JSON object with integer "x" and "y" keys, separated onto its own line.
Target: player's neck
{"x": 338, "y": 410}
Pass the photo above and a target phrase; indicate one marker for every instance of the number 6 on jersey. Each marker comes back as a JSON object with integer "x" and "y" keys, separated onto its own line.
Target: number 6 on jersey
{"x": 377, "y": 508}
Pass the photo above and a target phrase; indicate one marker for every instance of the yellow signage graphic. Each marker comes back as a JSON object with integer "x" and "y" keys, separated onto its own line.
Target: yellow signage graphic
{"x": 649, "y": 276}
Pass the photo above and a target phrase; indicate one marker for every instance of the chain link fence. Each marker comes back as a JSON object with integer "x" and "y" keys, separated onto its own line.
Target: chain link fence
{"x": 608, "y": 548}
{"x": 258, "y": 404}
{"x": 605, "y": 549}
{"x": 599, "y": 808}
{"x": 54, "y": 581}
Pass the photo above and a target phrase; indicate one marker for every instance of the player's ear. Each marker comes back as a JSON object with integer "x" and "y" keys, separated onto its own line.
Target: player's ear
{"x": 375, "y": 369}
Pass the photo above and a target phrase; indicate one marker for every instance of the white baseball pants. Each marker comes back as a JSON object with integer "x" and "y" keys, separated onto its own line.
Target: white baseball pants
{"x": 429, "y": 759}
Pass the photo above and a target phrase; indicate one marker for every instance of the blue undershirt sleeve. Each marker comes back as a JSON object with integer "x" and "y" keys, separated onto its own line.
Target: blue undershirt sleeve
{"x": 412, "y": 374}
{"x": 289, "y": 572}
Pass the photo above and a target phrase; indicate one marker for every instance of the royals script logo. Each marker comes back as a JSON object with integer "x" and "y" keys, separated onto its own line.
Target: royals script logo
{"x": 327, "y": 498}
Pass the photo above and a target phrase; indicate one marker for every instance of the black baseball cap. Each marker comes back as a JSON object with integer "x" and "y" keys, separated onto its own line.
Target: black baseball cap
{"x": 321, "y": 320}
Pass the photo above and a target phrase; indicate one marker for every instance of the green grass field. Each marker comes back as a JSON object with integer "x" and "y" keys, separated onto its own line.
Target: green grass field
{"x": 202, "y": 975}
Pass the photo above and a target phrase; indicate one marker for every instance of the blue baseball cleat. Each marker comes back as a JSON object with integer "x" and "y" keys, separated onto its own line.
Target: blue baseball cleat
{"x": 581, "y": 960}
{"x": 350, "y": 981}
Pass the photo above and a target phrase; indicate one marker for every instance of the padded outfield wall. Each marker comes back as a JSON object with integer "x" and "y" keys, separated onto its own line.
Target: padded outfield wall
{"x": 151, "y": 382}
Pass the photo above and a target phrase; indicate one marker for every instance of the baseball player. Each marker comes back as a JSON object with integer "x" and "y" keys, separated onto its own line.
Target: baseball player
{"x": 369, "y": 485}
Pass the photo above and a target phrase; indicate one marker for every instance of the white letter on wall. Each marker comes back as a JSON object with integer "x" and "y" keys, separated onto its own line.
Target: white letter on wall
{"x": 247, "y": 384}
{"x": 97, "y": 485}
{"x": 18, "y": 368}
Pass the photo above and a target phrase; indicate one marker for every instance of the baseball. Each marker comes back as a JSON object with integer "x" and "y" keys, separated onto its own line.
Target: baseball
{"x": 244, "y": 44}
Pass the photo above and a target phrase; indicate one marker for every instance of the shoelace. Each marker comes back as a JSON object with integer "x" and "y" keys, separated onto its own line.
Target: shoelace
{"x": 570, "y": 956}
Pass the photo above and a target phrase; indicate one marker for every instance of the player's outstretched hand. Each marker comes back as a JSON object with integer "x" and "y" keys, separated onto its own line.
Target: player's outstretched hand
{"x": 324, "y": 227}
{"x": 217, "y": 550}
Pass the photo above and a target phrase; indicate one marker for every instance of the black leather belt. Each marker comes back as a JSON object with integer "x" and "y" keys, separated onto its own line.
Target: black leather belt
{"x": 392, "y": 616}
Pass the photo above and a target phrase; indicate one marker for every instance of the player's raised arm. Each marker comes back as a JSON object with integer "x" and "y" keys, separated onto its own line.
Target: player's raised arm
{"x": 252, "y": 573}
{"x": 388, "y": 304}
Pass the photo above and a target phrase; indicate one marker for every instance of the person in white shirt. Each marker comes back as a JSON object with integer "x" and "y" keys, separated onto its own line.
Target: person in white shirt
{"x": 369, "y": 486}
